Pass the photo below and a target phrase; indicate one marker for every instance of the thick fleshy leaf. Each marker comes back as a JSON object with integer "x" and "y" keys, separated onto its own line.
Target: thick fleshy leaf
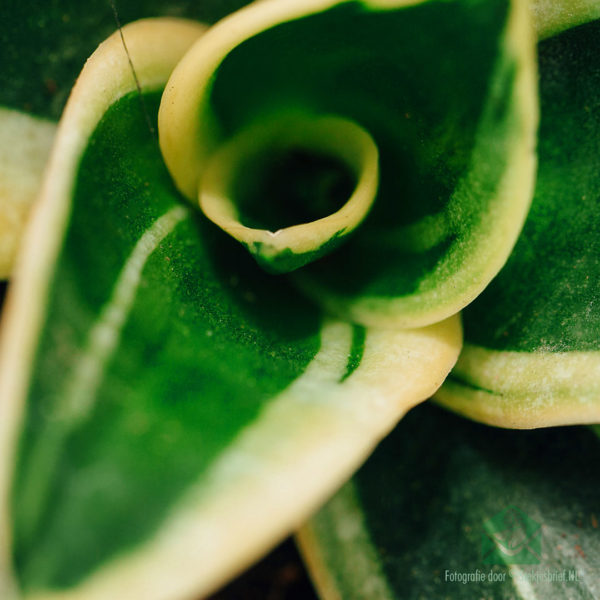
{"x": 447, "y": 92}
{"x": 532, "y": 352}
{"x": 24, "y": 148}
{"x": 305, "y": 163}
{"x": 41, "y": 54}
{"x": 479, "y": 513}
{"x": 161, "y": 393}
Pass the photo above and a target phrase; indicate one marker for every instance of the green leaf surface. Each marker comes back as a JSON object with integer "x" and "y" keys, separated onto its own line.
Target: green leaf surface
{"x": 164, "y": 393}
{"x": 457, "y": 180}
{"x": 43, "y": 45}
{"x": 478, "y": 513}
{"x": 453, "y": 114}
{"x": 532, "y": 353}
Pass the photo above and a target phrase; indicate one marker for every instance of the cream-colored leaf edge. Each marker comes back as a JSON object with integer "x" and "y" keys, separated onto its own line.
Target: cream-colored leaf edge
{"x": 524, "y": 390}
{"x": 341, "y": 422}
{"x": 505, "y": 221}
{"x": 19, "y": 188}
{"x": 545, "y": 388}
{"x": 25, "y": 143}
{"x": 357, "y": 572}
{"x": 364, "y": 576}
{"x": 155, "y": 46}
{"x": 550, "y": 18}
{"x": 305, "y": 443}
{"x": 330, "y": 135}
{"x": 188, "y": 135}
{"x": 554, "y": 16}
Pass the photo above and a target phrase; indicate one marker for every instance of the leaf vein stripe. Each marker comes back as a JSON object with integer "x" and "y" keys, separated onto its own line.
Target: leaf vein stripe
{"x": 103, "y": 338}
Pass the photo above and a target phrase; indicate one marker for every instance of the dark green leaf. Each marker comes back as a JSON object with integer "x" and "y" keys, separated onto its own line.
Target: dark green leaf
{"x": 450, "y": 509}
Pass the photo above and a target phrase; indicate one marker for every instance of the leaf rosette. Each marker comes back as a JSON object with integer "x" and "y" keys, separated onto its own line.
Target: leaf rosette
{"x": 455, "y": 140}
{"x": 172, "y": 409}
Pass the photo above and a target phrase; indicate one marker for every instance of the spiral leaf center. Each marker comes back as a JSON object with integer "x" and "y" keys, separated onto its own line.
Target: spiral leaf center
{"x": 292, "y": 188}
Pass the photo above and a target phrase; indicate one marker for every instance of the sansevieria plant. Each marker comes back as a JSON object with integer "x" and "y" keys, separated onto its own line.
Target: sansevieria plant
{"x": 239, "y": 253}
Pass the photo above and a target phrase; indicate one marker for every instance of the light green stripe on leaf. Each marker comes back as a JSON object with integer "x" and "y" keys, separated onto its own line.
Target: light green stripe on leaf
{"x": 532, "y": 356}
{"x": 480, "y": 513}
{"x": 24, "y": 312}
{"x": 165, "y": 393}
{"x": 553, "y": 16}
{"x": 251, "y": 488}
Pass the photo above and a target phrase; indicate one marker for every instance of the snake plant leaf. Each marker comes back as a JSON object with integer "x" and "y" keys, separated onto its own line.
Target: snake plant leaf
{"x": 532, "y": 351}
{"x": 480, "y": 513}
{"x": 24, "y": 148}
{"x": 446, "y": 91}
{"x": 169, "y": 411}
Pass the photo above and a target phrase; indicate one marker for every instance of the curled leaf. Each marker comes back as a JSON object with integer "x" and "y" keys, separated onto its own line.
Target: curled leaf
{"x": 447, "y": 93}
{"x": 245, "y": 168}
